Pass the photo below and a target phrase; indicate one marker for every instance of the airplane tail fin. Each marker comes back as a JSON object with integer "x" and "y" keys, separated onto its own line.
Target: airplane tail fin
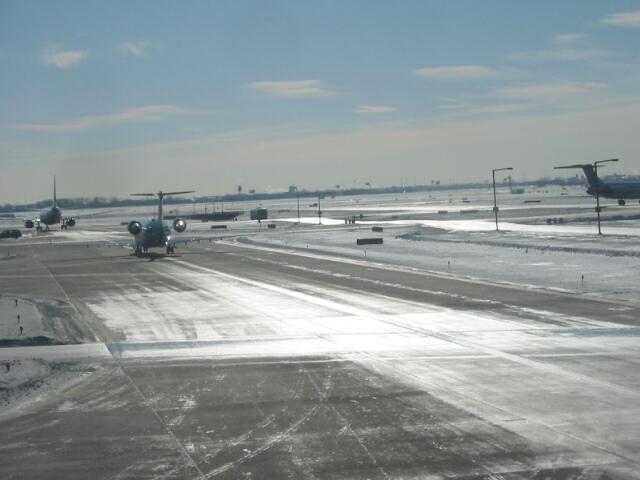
{"x": 589, "y": 172}
{"x": 160, "y": 196}
{"x": 594, "y": 182}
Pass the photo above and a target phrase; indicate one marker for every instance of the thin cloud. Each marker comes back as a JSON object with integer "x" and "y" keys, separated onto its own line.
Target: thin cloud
{"x": 567, "y": 38}
{"x": 373, "y": 109}
{"x": 56, "y": 56}
{"x": 460, "y": 108}
{"x": 623, "y": 19}
{"x": 572, "y": 54}
{"x": 290, "y": 89}
{"x": 501, "y": 108}
{"x": 449, "y": 103}
{"x": 150, "y": 113}
{"x": 549, "y": 90}
{"x": 567, "y": 47}
{"x": 457, "y": 71}
{"x": 136, "y": 48}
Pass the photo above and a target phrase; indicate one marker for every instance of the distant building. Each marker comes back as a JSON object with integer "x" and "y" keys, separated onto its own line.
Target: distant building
{"x": 258, "y": 214}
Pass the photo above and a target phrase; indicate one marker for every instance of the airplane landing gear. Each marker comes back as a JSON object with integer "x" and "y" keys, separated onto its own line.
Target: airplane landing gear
{"x": 621, "y": 202}
{"x": 171, "y": 249}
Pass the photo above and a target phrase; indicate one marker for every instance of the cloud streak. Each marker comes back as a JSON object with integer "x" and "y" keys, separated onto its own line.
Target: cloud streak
{"x": 373, "y": 109}
{"x": 137, "y": 48}
{"x": 549, "y": 91}
{"x": 623, "y": 19}
{"x": 567, "y": 47}
{"x": 290, "y": 89}
{"x": 56, "y": 56}
{"x": 151, "y": 113}
{"x": 568, "y": 38}
{"x": 572, "y": 54}
{"x": 457, "y": 72}
{"x": 461, "y": 108}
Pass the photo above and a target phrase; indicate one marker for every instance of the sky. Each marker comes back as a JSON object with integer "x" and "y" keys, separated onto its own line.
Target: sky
{"x": 120, "y": 96}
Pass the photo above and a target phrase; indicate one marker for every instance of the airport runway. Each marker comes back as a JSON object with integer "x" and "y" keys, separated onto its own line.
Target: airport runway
{"x": 231, "y": 361}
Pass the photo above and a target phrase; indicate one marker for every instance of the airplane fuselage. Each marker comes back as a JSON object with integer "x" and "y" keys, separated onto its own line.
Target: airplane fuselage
{"x": 155, "y": 234}
{"x": 618, "y": 190}
{"x": 51, "y": 216}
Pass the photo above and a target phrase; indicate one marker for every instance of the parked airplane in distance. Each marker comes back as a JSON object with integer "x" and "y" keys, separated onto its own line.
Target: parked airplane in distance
{"x": 50, "y": 216}
{"x": 155, "y": 233}
{"x": 621, "y": 191}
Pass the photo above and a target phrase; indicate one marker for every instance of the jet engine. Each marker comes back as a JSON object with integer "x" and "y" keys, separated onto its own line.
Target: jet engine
{"x": 179, "y": 225}
{"x": 134, "y": 227}
{"x": 28, "y": 224}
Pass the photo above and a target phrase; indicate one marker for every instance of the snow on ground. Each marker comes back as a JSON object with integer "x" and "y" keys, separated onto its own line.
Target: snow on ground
{"x": 605, "y": 266}
{"x": 209, "y": 314}
{"x": 31, "y": 379}
{"x": 489, "y": 226}
{"x": 21, "y": 314}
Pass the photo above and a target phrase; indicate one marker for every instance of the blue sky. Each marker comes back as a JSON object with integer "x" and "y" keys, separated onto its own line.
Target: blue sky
{"x": 123, "y": 96}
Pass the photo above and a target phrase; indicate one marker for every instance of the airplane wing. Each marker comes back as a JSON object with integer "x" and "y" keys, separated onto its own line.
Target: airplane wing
{"x": 183, "y": 240}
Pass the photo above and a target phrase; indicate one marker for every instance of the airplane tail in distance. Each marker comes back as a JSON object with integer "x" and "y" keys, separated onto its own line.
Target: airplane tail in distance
{"x": 591, "y": 176}
{"x": 160, "y": 196}
{"x": 589, "y": 172}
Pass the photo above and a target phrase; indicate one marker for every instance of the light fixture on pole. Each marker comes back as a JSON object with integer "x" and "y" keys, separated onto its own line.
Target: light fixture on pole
{"x": 595, "y": 169}
{"x": 495, "y": 201}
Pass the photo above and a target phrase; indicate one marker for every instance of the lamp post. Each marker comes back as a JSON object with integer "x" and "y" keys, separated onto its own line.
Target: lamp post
{"x": 298, "y": 201}
{"x": 319, "y": 212}
{"x": 495, "y": 201}
{"x": 595, "y": 170}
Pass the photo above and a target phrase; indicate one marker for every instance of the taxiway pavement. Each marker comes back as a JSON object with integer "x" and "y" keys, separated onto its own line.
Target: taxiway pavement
{"x": 233, "y": 361}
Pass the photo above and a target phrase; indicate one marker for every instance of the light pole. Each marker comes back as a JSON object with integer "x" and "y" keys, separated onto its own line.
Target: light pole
{"x": 319, "y": 212}
{"x": 595, "y": 170}
{"x": 495, "y": 201}
{"x": 298, "y": 201}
